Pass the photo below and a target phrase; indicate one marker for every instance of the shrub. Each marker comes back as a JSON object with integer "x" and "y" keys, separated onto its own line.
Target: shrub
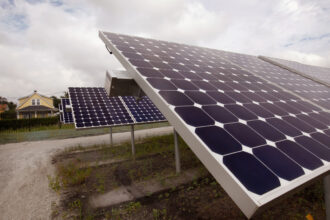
{"x": 14, "y": 124}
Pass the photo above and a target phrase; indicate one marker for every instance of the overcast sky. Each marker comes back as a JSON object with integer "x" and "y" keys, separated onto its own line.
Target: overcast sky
{"x": 51, "y": 45}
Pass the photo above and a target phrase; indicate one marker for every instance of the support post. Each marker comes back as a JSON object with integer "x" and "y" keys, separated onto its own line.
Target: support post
{"x": 176, "y": 152}
{"x": 132, "y": 140}
{"x": 111, "y": 142}
{"x": 326, "y": 184}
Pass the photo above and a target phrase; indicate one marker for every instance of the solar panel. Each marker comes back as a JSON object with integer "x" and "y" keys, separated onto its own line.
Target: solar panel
{"x": 143, "y": 111}
{"x": 256, "y": 139}
{"x": 303, "y": 87}
{"x": 320, "y": 74}
{"x": 65, "y": 115}
{"x": 93, "y": 108}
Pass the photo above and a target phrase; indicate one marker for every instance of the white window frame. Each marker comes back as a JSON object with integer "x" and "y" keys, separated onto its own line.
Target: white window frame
{"x": 35, "y": 101}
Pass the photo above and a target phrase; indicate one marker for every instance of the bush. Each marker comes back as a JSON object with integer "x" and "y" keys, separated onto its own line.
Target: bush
{"x": 8, "y": 115}
{"x": 14, "y": 124}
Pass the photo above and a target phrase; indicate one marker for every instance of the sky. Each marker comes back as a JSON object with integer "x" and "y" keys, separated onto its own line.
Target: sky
{"x": 50, "y": 45}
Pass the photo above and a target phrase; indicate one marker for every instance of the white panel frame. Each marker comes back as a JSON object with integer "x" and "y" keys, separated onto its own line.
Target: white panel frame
{"x": 247, "y": 201}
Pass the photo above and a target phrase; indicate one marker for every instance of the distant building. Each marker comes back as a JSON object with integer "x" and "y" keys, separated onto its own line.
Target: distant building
{"x": 3, "y": 108}
{"x": 3, "y": 100}
{"x": 35, "y": 106}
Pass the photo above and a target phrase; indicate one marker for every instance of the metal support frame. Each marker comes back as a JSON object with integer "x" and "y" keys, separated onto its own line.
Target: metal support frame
{"x": 111, "y": 141}
{"x": 176, "y": 152}
{"x": 326, "y": 184}
{"x": 132, "y": 140}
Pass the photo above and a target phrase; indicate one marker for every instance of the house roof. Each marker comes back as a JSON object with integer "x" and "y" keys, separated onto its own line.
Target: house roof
{"x": 38, "y": 108}
{"x": 34, "y": 92}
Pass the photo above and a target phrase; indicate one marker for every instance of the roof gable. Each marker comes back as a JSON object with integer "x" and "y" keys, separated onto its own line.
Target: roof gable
{"x": 44, "y": 101}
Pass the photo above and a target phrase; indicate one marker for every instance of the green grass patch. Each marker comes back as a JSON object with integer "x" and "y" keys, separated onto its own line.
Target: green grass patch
{"x": 66, "y": 131}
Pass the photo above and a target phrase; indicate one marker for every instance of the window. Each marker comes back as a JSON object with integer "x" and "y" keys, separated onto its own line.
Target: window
{"x": 35, "y": 101}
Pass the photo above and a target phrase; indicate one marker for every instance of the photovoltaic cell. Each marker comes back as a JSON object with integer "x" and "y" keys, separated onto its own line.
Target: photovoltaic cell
{"x": 231, "y": 117}
{"x": 93, "y": 108}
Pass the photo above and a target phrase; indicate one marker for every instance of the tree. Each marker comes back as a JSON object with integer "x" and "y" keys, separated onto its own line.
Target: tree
{"x": 66, "y": 95}
{"x": 12, "y": 106}
{"x": 11, "y": 112}
{"x": 56, "y": 101}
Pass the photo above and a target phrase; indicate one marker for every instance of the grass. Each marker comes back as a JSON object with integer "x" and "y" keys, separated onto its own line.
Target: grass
{"x": 39, "y": 128}
{"x": 67, "y": 131}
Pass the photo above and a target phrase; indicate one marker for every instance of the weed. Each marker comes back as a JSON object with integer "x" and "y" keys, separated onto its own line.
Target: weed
{"x": 77, "y": 205}
{"x": 72, "y": 175}
{"x": 133, "y": 206}
{"x": 54, "y": 183}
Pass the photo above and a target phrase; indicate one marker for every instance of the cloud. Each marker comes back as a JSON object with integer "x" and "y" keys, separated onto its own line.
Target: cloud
{"x": 51, "y": 45}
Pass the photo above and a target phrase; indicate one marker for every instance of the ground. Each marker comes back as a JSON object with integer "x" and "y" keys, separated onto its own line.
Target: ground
{"x": 109, "y": 183}
{"x": 24, "y": 167}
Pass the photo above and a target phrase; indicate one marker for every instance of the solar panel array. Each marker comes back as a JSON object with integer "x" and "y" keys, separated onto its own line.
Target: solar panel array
{"x": 92, "y": 108}
{"x": 315, "y": 72}
{"x": 65, "y": 116}
{"x": 257, "y": 140}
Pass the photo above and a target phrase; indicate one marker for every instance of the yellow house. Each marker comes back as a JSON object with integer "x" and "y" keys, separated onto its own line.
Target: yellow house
{"x": 35, "y": 106}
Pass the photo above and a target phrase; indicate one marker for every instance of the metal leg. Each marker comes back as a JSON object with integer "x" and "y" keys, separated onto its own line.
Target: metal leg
{"x": 326, "y": 183}
{"x": 177, "y": 153}
{"x": 111, "y": 141}
{"x": 132, "y": 140}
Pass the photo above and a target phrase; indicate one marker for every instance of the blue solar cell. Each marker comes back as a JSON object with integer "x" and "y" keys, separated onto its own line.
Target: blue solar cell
{"x": 218, "y": 140}
{"x": 241, "y": 112}
{"x": 301, "y": 125}
{"x": 274, "y": 109}
{"x": 220, "y": 114}
{"x": 245, "y": 135}
{"x": 204, "y": 85}
{"x": 238, "y": 97}
{"x": 184, "y": 84}
{"x": 266, "y": 130}
{"x": 161, "y": 84}
{"x": 258, "y": 110}
{"x": 251, "y": 173}
{"x": 299, "y": 154}
{"x": 314, "y": 123}
{"x": 315, "y": 147}
{"x": 176, "y": 98}
{"x": 322, "y": 138}
{"x": 221, "y": 97}
{"x": 200, "y": 97}
{"x": 150, "y": 72}
{"x": 284, "y": 127}
{"x": 194, "y": 116}
{"x": 278, "y": 162}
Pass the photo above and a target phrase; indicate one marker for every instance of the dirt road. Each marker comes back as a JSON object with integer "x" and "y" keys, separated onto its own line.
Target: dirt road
{"x": 24, "y": 191}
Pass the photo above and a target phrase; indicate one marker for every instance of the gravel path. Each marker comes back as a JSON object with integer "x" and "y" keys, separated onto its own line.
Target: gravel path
{"x": 24, "y": 191}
